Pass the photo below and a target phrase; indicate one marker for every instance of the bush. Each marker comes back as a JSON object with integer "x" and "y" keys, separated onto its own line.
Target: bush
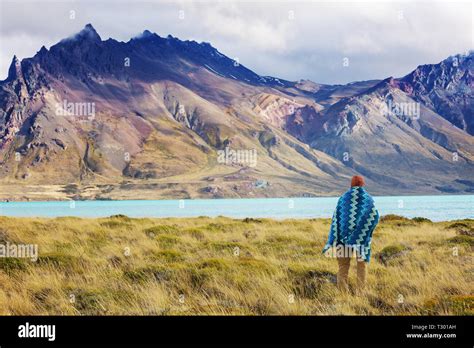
{"x": 196, "y": 234}
{"x": 252, "y": 220}
{"x": 120, "y": 216}
{"x": 88, "y": 302}
{"x": 393, "y": 217}
{"x": 457, "y": 225}
{"x": 152, "y": 273}
{"x": 461, "y": 304}
{"x": 115, "y": 224}
{"x": 462, "y": 239}
{"x": 167, "y": 241}
{"x": 62, "y": 261}
{"x": 160, "y": 229}
{"x": 307, "y": 283}
{"x": 454, "y": 305}
{"x": 397, "y": 220}
{"x": 462, "y": 228}
{"x": 421, "y": 219}
{"x": 10, "y": 265}
{"x": 392, "y": 251}
{"x": 168, "y": 255}
{"x": 214, "y": 263}
{"x": 197, "y": 278}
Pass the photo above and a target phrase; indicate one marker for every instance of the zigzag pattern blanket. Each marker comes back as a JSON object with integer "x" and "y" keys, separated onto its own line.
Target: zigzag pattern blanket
{"x": 353, "y": 222}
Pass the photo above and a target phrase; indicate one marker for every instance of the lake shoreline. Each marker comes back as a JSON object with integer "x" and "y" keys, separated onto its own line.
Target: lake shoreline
{"x": 218, "y": 198}
{"x": 23, "y": 192}
{"x": 435, "y": 208}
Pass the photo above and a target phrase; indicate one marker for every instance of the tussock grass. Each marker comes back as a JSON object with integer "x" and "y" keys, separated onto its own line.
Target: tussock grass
{"x": 120, "y": 265}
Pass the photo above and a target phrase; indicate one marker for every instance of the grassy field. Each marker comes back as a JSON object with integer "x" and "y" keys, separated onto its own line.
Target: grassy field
{"x": 217, "y": 266}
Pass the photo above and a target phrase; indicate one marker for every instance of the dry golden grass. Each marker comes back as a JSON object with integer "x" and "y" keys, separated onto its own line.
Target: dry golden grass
{"x": 214, "y": 266}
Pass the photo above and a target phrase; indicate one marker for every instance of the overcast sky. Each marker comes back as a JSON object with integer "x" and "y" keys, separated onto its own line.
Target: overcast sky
{"x": 287, "y": 39}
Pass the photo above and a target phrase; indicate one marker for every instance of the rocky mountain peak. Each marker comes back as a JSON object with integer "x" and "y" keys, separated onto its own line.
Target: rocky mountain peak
{"x": 88, "y": 33}
{"x": 86, "y": 37}
{"x": 14, "y": 72}
{"x": 146, "y": 34}
{"x": 446, "y": 87}
{"x": 43, "y": 50}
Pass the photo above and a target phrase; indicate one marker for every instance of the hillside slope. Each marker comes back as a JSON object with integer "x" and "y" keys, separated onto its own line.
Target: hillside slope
{"x": 151, "y": 117}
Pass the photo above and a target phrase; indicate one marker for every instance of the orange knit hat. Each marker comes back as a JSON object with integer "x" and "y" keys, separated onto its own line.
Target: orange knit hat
{"x": 357, "y": 180}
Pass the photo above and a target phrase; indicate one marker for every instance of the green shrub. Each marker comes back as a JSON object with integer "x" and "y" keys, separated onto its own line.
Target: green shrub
{"x": 307, "y": 282}
{"x": 392, "y": 251}
{"x": 393, "y": 217}
{"x": 167, "y": 241}
{"x": 10, "y": 265}
{"x": 462, "y": 228}
{"x": 455, "y": 305}
{"x": 198, "y": 277}
{"x": 421, "y": 219}
{"x": 168, "y": 255}
{"x": 462, "y": 239}
{"x": 252, "y": 220}
{"x": 116, "y": 224}
{"x": 461, "y": 304}
{"x": 397, "y": 220}
{"x": 62, "y": 261}
{"x": 196, "y": 234}
{"x": 121, "y": 217}
{"x": 151, "y": 273}
{"x": 161, "y": 229}
{"x": 215, "y": 227}
{"x": 458, "y": 225}
{"x": 87, "y": 302}
{"x": 214, "y": 263}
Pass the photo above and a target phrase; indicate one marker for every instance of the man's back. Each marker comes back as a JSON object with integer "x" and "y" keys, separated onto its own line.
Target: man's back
{"x": 353, "y": 223}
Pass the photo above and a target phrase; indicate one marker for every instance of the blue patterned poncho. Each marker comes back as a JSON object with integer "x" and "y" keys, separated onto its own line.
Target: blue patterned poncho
{"x": 353, "y": 222}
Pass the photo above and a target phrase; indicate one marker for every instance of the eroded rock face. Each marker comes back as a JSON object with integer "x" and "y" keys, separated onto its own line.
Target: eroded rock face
{"x": 305, "y": 123}
{"x": 14, "y": 102}
{"x": 447, "y": 88}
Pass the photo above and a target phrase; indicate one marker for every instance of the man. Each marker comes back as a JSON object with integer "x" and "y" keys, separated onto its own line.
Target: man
{"x": 353, "y": 223}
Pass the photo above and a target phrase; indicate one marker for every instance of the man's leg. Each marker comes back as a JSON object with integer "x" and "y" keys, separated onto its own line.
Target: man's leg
{"x": 342, "y": 275}
{"x": 361, "y": 272}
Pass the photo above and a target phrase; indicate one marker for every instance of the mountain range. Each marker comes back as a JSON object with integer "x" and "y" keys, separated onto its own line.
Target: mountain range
{"x": 103, "y": 119}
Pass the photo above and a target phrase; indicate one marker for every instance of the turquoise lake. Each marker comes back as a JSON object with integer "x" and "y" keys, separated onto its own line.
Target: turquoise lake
{"x": 435, "y": 208}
